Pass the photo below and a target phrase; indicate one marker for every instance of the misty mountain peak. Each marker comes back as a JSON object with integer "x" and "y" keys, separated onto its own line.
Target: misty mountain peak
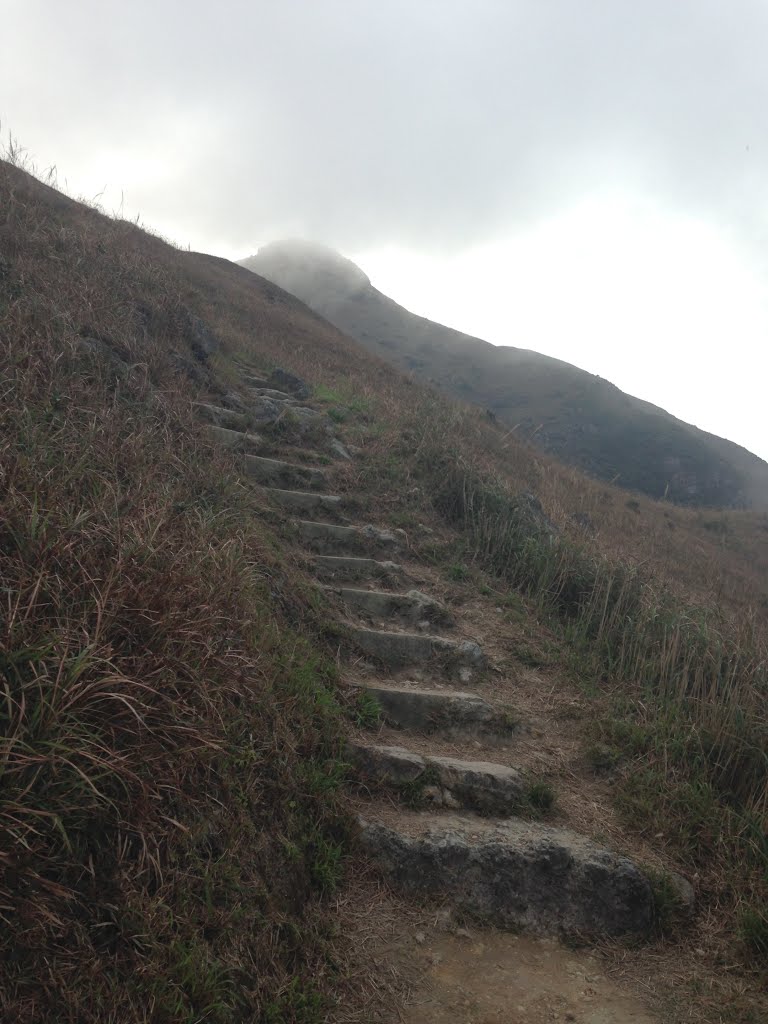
{"x": 308, "y": 269}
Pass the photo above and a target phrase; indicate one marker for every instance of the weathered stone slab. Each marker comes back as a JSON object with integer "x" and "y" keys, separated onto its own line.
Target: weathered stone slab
{"x": 426, "y": 710}
{"x": 221, "y": 417}
{"x": 273, "y": 395}
{"x": 285, "y": 475}
{"x": 394, "y": 765}
{"x": 264, "y": 410}
{"x": 480, "y": 785}
{"x": 236, "y": 440}
{"x": 398, "y": 650}
{"x": 343, "y": 567}
{"x": 411, "y": 608}
{"x": 328, "y": 539}
{"x": 307, "y": 502}
{"x": 517, "y": 874}
{"x": 476, "y": 785}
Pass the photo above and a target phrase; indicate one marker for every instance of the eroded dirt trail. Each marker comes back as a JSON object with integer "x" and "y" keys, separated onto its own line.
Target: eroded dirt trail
{"x": 491, "y": 977}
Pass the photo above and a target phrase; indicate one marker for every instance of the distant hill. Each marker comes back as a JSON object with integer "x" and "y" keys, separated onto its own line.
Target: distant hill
{"x": 582, "y": 419}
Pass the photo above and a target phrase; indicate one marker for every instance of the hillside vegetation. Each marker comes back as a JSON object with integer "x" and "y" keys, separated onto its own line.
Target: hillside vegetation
{"x": 582, "y": 419}
{"x": 175, "y": 824}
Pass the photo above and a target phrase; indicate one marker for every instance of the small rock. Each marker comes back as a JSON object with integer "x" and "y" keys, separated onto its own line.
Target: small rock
{"x": 463, "y": 933}
{"x": 684, "y": 893}
{"x": 444, "y": 918}
{"x": 200, "y": 337}
{"x": 265, "y": 410}
{"x": 337, "y": 448}
{"x": 450, "y": 801}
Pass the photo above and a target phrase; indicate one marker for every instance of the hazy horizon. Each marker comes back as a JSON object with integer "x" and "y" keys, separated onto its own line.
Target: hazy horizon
{"x": 589, "y": 181}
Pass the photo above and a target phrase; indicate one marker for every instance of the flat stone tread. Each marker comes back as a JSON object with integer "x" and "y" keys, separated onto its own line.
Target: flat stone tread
{"x": 424, "y": 694}
{"x": 330, "y": 499}
{"x": 345, "y": 541}
{"x": 217, "y": 412}
{"x": 357, "y": 530}
{"x": 352, "y": 562}
{"x": 437, "y": 712}
{"x": 274, "y": 394}
{"x": 444, "y": 643}
{"x": 235, "y": 438}
{"x": 264, "y": 460}
{"x": 474, "y": 830}
{"x": 397, "y": 752}
{"x": 413, "y": 596}
{"x": 416, "y": 689}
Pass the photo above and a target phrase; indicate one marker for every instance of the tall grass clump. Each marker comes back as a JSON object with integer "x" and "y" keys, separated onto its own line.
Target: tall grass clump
{"x": 170, "y": 819}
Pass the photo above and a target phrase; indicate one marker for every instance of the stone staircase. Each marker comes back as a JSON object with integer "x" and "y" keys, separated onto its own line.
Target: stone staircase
{"x": 439, "y": 825}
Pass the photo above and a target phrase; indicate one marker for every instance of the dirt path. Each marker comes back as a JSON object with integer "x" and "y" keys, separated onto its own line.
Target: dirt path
{"x": 492, "y": 977}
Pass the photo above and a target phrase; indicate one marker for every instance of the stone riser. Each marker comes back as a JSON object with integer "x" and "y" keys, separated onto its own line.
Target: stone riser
{"x": 426, "y": 711}
{"x": 411, "y": 608}
{"x": 400, "y": 650}
{"x": 307, "y": 502}
{"x": 346, "y": 569}
{"x": 326, "y": 539}
{"x": 517, "y": 875}
{"x": 442, "y": 781}
{"x": 284, "y": 475}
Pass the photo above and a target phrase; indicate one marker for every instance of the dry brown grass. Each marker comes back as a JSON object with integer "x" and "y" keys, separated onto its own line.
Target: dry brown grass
{"x": 169, "y": 788}
{"x": 167, "y": 727}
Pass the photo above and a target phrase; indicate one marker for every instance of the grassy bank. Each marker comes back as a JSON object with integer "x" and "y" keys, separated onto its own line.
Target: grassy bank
{"x": 170, "y": 827}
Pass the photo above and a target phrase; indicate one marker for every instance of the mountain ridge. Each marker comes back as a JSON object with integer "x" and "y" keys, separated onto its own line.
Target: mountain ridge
{"x": 575, "y": 415}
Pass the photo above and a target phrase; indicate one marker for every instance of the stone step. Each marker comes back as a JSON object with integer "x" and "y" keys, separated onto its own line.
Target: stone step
{"x": 327, "y": 539}
{"x": 236, "y": 440}
{"x": 457, "y": 658}
{"x": 424, "y": 710}
{"x": 221, "y": 417}
{"x": 307, "y": 501}
{"x": 514, "y": 874}
{"x": 276, "y": 396}
{"x": 412, "y": 608}
{"x": 342, "y": 567}
{"x": 441, "y": 781}
{"x": 286, "y": 475}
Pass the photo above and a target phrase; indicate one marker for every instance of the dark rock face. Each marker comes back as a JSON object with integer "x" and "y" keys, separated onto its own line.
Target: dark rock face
{"x": 200, "y": 337}
{"x": 518, "y": 875}
{"x": 282, "y": 380}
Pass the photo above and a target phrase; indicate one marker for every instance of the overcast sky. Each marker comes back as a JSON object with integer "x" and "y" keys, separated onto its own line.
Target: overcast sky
{"x": 588, "y": 178}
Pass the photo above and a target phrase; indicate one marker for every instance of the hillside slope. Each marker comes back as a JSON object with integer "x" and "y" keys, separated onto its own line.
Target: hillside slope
{"x": 582, "y": 419}
{"x": 202, "y": 628}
